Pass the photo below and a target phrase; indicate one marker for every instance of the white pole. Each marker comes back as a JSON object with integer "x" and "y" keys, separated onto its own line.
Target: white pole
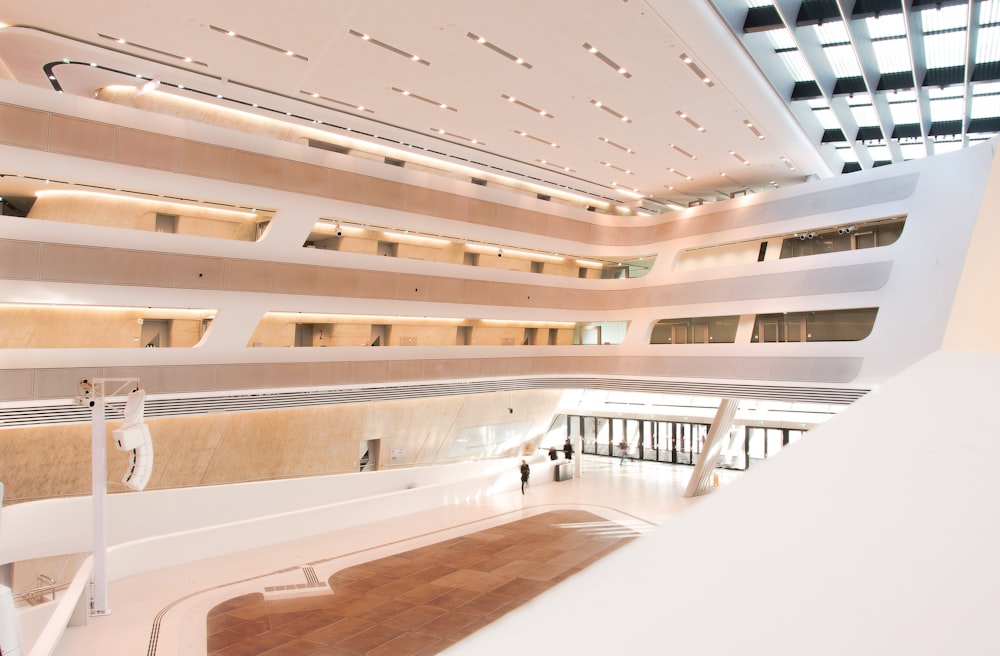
{"x": 10, "y": 636}
{"x": 99, "y": 462}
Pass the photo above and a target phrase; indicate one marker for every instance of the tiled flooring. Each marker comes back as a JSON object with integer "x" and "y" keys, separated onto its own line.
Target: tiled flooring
{"x": 419, "y": 601}
{"x": 163, "y": 612}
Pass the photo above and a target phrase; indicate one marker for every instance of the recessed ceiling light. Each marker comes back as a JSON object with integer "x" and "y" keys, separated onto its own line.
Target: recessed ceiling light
{"x": 500, "y": 51}
{"x": 696, "y": 70}
{"x": 607, "y": 60}
{"x": 521, "y": 103}
{"x": 390, "y": 48}
{"x": 621, "y": 117}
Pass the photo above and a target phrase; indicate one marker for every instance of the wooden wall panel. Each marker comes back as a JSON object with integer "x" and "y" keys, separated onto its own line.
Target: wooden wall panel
{"x": 139, "y": 268}
{"x": 204, "y": 160}
{"x": 74, "y": 136}
{"x": 482, "y": 212}
{"x": 150, "y": 378}
{"x": 62, "y": 383}
{"x": 346, "y": 185}
{"x": 249, "y": 275}
{"x": 193, "y": 378}
{"x": 16, "y": 384}
{"x": 197, "y": 272}
{"x": 235, "y": 376}
{"x": 290, "y": 374}
{"x": 74, "y": 263}
{"x": 303, "y": 178}
{"x": 146, "y": 149}
{"x": 295, "y": 278}
{"x": 386, "y": 193}
{"x": 20, "y": 260}
{"x": 257, "y": 170}
{"x": 23, "y": 127}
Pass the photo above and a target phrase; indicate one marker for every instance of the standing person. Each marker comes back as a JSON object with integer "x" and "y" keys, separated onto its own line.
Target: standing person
{"x": 525, "y": 472}
{"x": 623, "y": 450}
{"x": 568, "y": 449}
{"x": 553, "y": 454}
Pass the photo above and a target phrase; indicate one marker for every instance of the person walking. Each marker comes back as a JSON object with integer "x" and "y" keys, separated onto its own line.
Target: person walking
{"x": 525, "y": 473}
{"x": 568, "y": 449}
{"x": 623, "y": 450}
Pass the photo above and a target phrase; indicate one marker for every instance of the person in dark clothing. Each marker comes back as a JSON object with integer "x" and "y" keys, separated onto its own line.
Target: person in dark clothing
{"x": 525, "y": 472}
{"x": 568, "y": 449}
{"x": 553, "y": 454}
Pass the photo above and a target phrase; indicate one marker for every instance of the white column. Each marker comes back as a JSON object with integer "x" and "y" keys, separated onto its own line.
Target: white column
{"x": 10, "y": 636}
{"x": 99, "y": 467}
{"x": 701, "y": 477}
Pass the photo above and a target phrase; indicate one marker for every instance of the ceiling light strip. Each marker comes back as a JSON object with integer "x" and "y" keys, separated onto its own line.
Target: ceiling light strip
{"x": 617, "y": 168}
{"x": 458, "y": 136}
{"x": 788, "y": 163}
{"x": 500, "y": 51}
{"x": 512, "y": 99}
{"x": 187, "y": 60}
{"x": 360, "y": 108}
{"x": 683, "y": 152}
{"x": 739, "y": 157}
{"x": 621, "y": 117}
{"x": 410, "y": 94}
{"x": 554, "y": 165}
{"x": 616, "y": 145}
{"x": 390, "y": 48}
{"x": 697, "y": 70}
{"x": 690, "y": 121}
{"x": 538, "y": 139}
{"x": 678, "y": 173}
{"x": 607, "y": 60}
{"x": 262, "y": 44}
{"x": 753, "y": 128}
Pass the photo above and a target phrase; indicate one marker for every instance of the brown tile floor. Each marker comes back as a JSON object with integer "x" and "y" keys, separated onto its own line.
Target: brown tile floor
{"x": 416, "y": 602}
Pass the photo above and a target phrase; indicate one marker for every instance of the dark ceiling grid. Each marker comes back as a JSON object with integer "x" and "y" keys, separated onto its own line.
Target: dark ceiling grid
{"x": 919, "y": 78}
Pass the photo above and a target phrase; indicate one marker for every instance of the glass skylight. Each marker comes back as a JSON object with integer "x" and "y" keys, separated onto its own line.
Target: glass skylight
{"x": 945, "y": 49}
{"x": 985, "y": 106}
{"x": 781, "y": 39}
{"x": 847, "y": 154}
{"x": 827, "y": 119}
{"x": 843, "y": 61}
{"x": 945, "y": 18}
{"x": 988, "y": 44}
{"x": 941, "y": 147}
{"x": 947, "y": 109}
{"x": 887, "y": 25}
{"x": 913, "y": 150}
{"x": 892, "y": 55}
{"x": 904, "y": 113}
{"x": 831, "y": 32}
{"x": 865, "y": 115}
{"x": 880, "y": 49}
{"x": 880, "y": 153}
{"x": 983, "y": 88}
{"x": 797, "y": 65}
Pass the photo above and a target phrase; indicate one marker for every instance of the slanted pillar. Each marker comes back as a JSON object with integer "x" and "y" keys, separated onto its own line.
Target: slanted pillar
{"x": 701, "y": 478}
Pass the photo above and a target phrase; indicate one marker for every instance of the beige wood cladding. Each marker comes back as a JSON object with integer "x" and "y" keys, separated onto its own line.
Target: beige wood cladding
{"x": 25, "y": 326}
{"x": 140, "y": 214}
{"x": 280, "y": 330}
{"x": 54, "y": 461}
{"x": 57, "y": 133}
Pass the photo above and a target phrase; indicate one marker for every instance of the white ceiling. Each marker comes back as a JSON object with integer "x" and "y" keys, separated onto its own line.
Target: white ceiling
{"x": 647, "y": 38}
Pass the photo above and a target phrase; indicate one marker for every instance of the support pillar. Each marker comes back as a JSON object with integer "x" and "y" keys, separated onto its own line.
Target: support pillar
{"x": 701, "y": 478}
{"x": 99, "y": 487}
